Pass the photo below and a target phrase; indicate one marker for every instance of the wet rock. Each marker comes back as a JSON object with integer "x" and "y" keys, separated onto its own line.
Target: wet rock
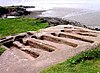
{"x": 60, "y": 21}
{"x": 97, "y": 29}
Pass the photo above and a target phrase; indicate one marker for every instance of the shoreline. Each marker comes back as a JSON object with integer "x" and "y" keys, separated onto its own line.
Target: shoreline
{"x": 44, "y": 14}
{"x": 90, "y": 18}
{"x": 35, "y": 14}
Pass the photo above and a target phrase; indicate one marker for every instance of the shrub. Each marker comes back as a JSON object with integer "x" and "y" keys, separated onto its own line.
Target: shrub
{"x": 89, "y": 55}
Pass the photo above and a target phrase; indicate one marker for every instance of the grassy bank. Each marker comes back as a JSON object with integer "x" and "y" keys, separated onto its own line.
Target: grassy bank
{"x": 15, "y": 26}
{"x": 87, "y": 62}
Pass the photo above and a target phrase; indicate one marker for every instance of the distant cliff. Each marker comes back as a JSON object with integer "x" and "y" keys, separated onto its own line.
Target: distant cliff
{"x": 3, "y": 11}
{"x": 14, "y": 10}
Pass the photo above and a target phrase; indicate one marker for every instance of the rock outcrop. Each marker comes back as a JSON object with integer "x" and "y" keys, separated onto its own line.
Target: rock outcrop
{"x": 59, "y": 21}
{"x": 32, "y": 51}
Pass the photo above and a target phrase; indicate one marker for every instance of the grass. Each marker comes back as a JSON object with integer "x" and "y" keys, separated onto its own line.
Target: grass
{"x": 86, "y": 62}
{"x": 1, "y": 50}
{"x": 19, "y": 25}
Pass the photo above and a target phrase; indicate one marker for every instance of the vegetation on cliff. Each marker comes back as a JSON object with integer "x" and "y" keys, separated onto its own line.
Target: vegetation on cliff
{"x": 14, "y": 10}
{"x": 3, "y": 11}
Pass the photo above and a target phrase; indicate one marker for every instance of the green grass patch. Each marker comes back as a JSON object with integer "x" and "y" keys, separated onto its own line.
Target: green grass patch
{"x": 1, "y": 50}
{"x": 86, "y": 62}
{"x": 19, "y": 25}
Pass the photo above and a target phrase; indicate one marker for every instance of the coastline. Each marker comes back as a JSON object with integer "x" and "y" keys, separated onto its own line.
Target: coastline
{"x": 89, "y": 18}
{"x": 35, "y": 14}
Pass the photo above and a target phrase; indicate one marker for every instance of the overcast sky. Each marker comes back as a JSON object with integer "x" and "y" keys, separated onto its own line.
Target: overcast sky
{"x": 66, "y": 1}
{"x": 34, "y": 2}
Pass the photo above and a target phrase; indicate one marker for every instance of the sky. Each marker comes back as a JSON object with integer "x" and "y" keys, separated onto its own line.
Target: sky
{"x": 62, "y": 1}
{"x": 94, "y": 4}
{"x": 34, "y": 2}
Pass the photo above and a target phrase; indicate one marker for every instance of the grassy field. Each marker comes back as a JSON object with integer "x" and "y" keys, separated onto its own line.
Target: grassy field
{"x": 87, "y": 62}
{"x": 15, "y": 26}
{"x": 19, "y": 25}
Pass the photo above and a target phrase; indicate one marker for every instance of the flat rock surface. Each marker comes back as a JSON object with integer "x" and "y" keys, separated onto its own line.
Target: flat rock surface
{"x": 50, "y": 46}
